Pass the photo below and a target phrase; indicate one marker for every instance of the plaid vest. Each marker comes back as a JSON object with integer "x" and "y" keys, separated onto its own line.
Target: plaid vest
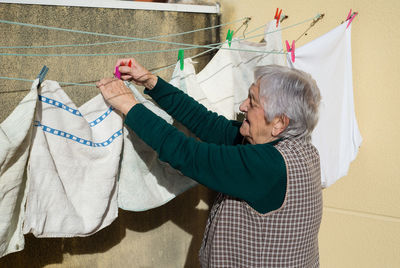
{"x": 236, "y": 235}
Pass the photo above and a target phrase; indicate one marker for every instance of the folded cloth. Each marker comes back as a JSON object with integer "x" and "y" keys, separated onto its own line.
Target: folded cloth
{"x": 224, "y": 82}
{"x": 15, "y": 141}
{"x": 145, "y": 182}
{"x": 336, "y": 136}
{"x": 73, "y": 165}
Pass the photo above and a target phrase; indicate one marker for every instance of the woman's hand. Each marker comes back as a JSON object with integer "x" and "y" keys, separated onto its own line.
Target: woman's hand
{"x": 136, "y": 73}
{"x": 117, "y": 94}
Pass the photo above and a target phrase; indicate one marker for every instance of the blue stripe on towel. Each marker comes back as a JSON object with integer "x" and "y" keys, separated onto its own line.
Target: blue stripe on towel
{"x": 72, "y": 137}
{"x": 75, "y": 111}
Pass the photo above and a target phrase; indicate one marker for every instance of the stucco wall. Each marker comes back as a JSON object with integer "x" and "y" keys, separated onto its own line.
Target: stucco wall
{"x": 168, "y": 236}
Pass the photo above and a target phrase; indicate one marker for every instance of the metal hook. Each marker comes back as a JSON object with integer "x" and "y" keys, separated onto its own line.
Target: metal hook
{"x": 246, "y": 23}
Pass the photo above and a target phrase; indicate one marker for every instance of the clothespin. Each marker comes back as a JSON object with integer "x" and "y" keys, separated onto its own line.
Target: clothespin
{"x": 229, "y": 37}
{"x": 277, "y": 16}
{"x": 350, "y": 17}
{"x": 291, "y": 49}
{"x": 117, "y": 72}
{"x": 42, "y": 74}
{"x": 181, "y": 58}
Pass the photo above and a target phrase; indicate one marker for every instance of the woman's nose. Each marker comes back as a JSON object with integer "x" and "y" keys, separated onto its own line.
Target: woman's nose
{"x": 243, "y": 106}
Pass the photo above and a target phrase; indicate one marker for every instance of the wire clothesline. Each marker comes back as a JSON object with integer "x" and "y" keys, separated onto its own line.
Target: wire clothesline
{"x": 188, "y": 46}
{"x": 210, "y": 46}
{"x": 127, "y": 41}
{"x": 97, "y": 34}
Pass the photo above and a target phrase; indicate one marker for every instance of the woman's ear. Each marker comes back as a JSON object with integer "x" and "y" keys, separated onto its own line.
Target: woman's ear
{"x": 280, "y": 123}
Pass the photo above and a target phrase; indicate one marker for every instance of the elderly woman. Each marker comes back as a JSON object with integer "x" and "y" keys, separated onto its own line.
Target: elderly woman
{"x": 269, "y": 208}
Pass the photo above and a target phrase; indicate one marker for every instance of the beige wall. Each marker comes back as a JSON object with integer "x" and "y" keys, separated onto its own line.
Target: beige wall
{"x": 361, "y": 221}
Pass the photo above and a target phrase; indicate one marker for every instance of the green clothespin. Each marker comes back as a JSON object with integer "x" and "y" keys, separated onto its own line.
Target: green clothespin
{"x": 181, "y": 58}
{"x": 229, "y": 37}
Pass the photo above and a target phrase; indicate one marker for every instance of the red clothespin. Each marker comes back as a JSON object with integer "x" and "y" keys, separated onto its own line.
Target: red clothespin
{"x": 350, "y": 18}
{"x": 290, "y": 49}
{"x": 277, "y": 16}
{"x": 130, "y": 63}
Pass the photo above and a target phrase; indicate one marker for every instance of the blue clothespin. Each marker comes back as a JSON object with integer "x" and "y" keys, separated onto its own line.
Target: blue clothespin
{"x": 229, "y": 37}
{"x": 42, "y": 74}
{"x": 181, "y": 58}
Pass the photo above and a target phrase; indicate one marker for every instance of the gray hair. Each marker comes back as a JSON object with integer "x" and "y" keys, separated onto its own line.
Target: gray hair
{"x": 290, "y": 92}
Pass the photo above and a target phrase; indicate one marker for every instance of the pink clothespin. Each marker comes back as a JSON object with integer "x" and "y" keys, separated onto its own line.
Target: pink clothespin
{"x": 277, "y": 16}
{"x": 350, "y": 18}
{"x": 290, "y": 49}
{"x": 117, "y": 72}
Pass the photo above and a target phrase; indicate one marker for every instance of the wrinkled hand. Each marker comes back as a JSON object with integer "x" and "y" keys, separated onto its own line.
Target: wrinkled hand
{"x": 136, "y": 73}
{"x": 117, "y": 94}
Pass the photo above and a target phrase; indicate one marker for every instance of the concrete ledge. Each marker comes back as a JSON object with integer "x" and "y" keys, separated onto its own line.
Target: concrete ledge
{"x": 122, "y": 5}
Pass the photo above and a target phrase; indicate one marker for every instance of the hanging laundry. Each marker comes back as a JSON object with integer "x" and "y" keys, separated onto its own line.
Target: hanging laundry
{"x": 73, "y": 165}
{"x": 145, "y": 182}
{"x": 336, "y": 136}
{"x": 186, "y": 81}
{"x": 225, "y": 81}
{"x": 15, "y": 142}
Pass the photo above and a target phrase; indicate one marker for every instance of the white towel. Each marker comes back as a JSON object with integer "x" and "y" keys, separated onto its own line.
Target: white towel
{"x": 224, "y": 82}
{"x": 336, "y": 136}
{"x": 145, "y": 182}
{"x": 15, "y": 139}
{"x": 73, "y": 165}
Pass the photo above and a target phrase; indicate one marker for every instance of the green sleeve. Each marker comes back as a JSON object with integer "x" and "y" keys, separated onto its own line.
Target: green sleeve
{"x": 206, "y": 125}
{"x": 254, "y": 173}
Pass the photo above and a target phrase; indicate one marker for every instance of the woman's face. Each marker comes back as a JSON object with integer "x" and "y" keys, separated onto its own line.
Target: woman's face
{"x": 255, "y": 127}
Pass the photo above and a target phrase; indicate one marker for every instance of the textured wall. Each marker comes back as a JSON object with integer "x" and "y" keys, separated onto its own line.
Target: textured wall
{"x": 361, "y": 221}
{"x": 134, "y": 23}
{"x": 168, "y": 236}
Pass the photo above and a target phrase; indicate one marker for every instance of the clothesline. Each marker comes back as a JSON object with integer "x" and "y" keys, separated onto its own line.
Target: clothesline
{"x": 126, "y": 41}
{"x": 188, "y": 46}
{"x": 211, "y": 46}
{"x": 154, "y": 70}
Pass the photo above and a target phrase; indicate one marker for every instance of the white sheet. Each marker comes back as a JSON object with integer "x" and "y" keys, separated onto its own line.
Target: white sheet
{"x": 224, "y": 82}
{"x": 145, "y": 182}
{"x": 336, "y": 136}
{"x": 73, "y": 165}
{"x": 15, "y": 142}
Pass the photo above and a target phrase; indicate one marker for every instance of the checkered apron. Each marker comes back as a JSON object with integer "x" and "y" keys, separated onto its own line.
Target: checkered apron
{"x": 238, "y": 236}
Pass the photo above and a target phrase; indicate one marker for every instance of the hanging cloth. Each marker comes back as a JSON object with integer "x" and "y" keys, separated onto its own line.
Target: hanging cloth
{"x": 336, "y": 136}
{"x": 145, "y": 182}
{"x": 15, "y": 142}
{"x": 224, "y": 82}
{"x": 73, "y": 165}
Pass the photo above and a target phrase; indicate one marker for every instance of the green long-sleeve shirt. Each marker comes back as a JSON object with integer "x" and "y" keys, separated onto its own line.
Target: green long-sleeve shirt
{"x": 254, "y": 173}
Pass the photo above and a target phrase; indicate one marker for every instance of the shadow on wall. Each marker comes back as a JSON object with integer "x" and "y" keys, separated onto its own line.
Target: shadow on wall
{"x": 181, "y": 211}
